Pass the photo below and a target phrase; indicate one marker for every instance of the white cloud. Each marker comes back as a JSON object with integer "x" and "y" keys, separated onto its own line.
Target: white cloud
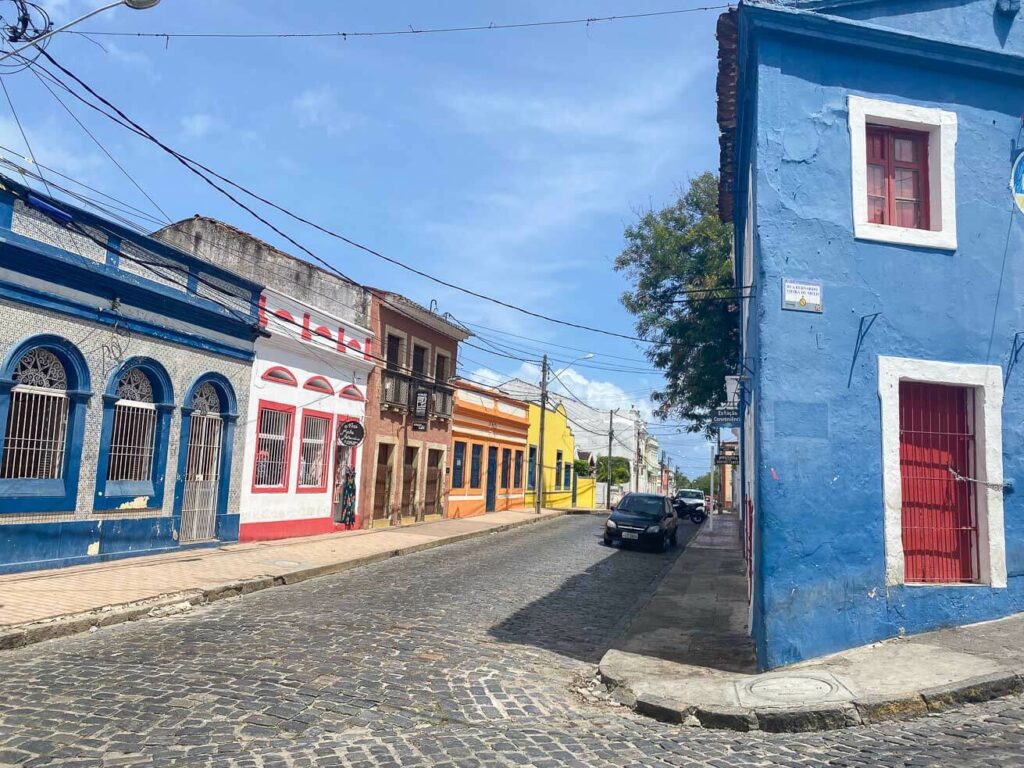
{"x": 688, "y": 450}
{"x": 52, "y": 148}
{"x": 487, "y": 376}
{"x": 200, "y": 125}
{"x": 559, "y": 164}
{"x": 319, "y": 108}
{"x": 129, "y": 57}
{"x": 602, "y": 395}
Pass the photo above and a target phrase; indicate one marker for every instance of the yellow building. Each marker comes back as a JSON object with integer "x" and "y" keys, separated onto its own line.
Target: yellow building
{"x": 561, "y": 489}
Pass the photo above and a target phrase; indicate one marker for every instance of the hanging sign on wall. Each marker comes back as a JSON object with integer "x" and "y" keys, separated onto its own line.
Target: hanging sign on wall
{"x": 350, "y": 434}
{"x": 1017, "y": 181}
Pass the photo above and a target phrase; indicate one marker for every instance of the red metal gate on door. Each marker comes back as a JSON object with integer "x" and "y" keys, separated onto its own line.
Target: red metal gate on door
{"x": 940, "y": 521}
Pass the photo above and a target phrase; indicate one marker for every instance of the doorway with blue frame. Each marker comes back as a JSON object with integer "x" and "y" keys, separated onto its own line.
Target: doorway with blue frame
{"x": 492, "y": 478}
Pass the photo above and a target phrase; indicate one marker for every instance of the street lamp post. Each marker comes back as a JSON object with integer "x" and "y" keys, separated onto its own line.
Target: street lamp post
{"x": 138, "y": 5}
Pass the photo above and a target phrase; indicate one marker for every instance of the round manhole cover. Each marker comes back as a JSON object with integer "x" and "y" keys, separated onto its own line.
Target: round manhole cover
{"x": 792, "y": 689}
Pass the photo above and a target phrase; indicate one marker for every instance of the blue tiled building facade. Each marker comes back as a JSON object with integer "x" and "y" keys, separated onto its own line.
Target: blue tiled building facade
{"x": 866, "y": 154}
{"x": 124, "y": 366}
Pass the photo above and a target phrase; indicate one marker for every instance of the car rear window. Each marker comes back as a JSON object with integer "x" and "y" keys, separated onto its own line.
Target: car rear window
{"x": 652, "y": 506}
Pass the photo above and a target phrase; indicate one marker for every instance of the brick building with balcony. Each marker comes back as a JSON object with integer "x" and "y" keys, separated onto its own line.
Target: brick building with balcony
{"x": 408, "y": 412}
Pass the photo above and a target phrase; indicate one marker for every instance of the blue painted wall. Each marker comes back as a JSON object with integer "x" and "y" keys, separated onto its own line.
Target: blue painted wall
{"x": 820, "y": 585}
{"x": 33, "y": 546}
{"x": 146, "y": 308}
{"x": 969, "y": 23}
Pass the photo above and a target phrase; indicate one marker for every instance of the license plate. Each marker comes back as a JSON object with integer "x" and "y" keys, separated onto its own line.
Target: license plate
{"x": 632, "y": 536}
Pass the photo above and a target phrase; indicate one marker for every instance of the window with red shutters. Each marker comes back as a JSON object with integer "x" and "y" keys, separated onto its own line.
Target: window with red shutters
{"x": 897, "y": 177}
{"x": 940, "y": 523}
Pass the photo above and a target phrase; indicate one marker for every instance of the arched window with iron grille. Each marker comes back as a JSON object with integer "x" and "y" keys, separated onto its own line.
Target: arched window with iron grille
{"x": 44, "y": 388}
{"x": 132, "y": 461}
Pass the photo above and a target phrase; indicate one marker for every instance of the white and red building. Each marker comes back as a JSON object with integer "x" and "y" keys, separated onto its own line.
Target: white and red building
{"x": 308, "y": 380}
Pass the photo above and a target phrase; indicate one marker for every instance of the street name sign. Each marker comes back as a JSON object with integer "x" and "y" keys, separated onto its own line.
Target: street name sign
{"x": 801, "y": 296}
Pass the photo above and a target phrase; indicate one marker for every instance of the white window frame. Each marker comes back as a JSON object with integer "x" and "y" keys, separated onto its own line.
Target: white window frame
{"x": 987, "y": 382}
{"x": 941, "y": 127}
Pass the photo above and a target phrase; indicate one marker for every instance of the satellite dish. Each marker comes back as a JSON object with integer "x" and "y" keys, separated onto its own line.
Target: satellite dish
{"x": 140, "y": 5}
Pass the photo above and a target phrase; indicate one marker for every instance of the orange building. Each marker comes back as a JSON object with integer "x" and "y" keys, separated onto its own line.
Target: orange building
{"x": 488, "y": 465}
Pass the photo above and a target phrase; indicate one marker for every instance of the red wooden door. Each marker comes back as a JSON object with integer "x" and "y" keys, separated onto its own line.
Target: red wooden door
{"x": 940, "y": 531}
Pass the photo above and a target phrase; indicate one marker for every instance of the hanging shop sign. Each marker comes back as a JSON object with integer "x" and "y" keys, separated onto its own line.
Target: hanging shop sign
{"x": 726, "y": 416}
{"x": 801, "y": 296}
{"x": 420, "y": 408}
{"x": 724, "y": 459}
{"x": 351, "y": 434}
{"x": 1017, "y": 181}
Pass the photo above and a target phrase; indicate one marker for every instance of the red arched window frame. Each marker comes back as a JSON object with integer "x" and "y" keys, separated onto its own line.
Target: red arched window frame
{"x": 319, "y": 384}
{"x": 280, "y": 375}
{"x": 351, "y": 392}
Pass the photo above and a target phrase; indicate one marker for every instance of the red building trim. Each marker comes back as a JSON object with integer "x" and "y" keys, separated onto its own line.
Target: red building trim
{"x": 280, "y": 375}
{"x": 287, "y": 529}
{"x": 319, "y": 384}
{"x": 327, "y": 461}
{"x": 267, "y": 405}
{"x": 351, "y": 392}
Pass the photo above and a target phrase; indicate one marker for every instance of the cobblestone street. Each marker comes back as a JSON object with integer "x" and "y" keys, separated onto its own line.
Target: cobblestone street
{"x": 472, "y": 654}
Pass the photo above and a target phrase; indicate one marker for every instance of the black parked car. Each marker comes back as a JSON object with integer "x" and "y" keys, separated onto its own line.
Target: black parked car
{"x": 642, "y": 518}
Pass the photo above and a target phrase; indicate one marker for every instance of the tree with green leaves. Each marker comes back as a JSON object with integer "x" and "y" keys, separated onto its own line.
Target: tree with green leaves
{"x": 620, "y": 470}
{"x": 683, "y": 299}
{"x": 581, "y": 467}
{"x": 702, "y": 483}
{"x": 681, "y": 480}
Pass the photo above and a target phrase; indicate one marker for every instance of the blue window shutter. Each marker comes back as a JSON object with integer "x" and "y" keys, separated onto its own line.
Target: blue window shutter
{"x": 474, "y": 467}
{"x": 459, "y": 466}
{"x": 531, "y": 475}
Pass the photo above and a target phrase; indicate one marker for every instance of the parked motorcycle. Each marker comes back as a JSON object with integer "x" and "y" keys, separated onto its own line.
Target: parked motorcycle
{"x": 696, "y": 513}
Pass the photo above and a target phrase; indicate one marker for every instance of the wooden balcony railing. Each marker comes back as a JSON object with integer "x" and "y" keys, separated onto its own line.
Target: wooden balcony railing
{"x": 399, "y": 391}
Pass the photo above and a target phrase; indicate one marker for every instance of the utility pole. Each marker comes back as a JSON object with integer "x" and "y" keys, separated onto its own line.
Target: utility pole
{"x": 608, "y": 463}
{"x": 711, "y": 487}
{"x": 538, "y": 497}
{"x": 636, "y": 481}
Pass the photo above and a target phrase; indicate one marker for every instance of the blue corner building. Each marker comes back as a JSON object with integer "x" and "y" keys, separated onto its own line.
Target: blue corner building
{"x": 124, "y": 364}
{"x": 867, "y": 152}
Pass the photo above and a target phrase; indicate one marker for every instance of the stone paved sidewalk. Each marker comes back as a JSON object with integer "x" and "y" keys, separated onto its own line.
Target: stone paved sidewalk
{"x": 687, "y": 657}
{"x": 40, "y": 605}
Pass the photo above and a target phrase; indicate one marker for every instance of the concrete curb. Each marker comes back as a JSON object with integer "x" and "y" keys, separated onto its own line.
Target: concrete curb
{"x": 822, "y": 717}
{"x": 172, "y": 603}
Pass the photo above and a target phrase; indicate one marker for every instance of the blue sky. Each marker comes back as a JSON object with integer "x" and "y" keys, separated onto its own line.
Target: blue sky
{"x": 505, "y": 161}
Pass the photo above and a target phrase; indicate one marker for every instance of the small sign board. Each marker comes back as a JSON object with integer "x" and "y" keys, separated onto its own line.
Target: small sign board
{"x": 726, "y": 416}
{"x": 1017, "y": 181}
{"x": 727, "y": 458}
{"x": 351, "y": 434}
{"x": 421, "y": 403}
{"x": 801, "y": 296}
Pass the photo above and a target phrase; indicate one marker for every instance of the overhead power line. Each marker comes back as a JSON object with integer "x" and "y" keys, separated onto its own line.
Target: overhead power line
{"x": 409, "y": 30}
{"x": 194, "y": 166}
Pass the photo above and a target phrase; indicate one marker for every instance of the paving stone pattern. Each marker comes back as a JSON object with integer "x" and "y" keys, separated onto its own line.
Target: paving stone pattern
{"x": 475, "y": 654}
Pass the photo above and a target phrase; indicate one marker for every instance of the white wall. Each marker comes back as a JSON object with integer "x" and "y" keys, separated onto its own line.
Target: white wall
{"x": 303, "y": 361}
